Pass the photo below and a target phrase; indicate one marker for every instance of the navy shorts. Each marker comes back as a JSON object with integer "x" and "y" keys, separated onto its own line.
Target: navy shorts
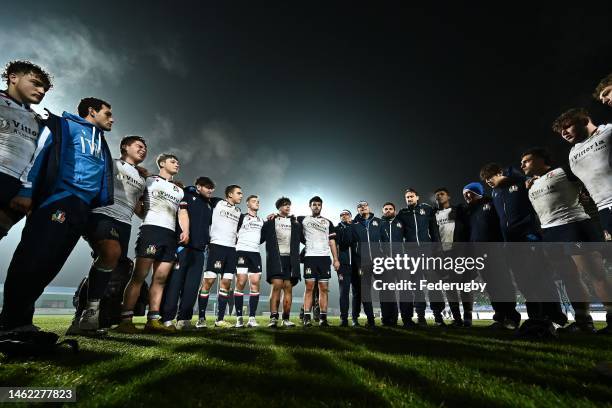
{"x": 605, "y": 219}
{"x": 317, "y": 268}
{"x": 286, "y": 273}
{"x": 157, "y": 243}
{"x": 251, "y": 261}
{"x": 101, "y": 227}
{"x": 10, "y": 188}
{"x": 573, "y": 234}
{"x": 221, "y": 259}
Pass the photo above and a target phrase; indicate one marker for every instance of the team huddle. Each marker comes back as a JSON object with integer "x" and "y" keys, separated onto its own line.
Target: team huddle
{"x": 59, "y": 172}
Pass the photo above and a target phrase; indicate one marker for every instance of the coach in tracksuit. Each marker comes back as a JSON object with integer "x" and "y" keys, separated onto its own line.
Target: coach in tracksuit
{"x": 348, "y": 275}
{"x": 518, "y": 223}
{"x": 420, "y": 227}
{"x": 71, "y": 174}
{"x": 366, "y": 235}
{"x": 483, "y": 227}
{"x": 182, "y": 288}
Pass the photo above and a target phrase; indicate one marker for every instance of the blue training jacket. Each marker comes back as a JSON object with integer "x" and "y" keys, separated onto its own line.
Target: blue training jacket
{"x": 72, "y": 158}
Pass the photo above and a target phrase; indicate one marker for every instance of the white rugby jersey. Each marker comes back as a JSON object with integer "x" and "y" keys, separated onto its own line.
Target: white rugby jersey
{"x": 161, "y": 199}
{"x": 446, "y": 226}
{"x": 249, "y": 233}
{"x": 19, "y": 131}
{"x": 317, "y": 233}
{"x": 128, "y": 187}
{"x": 224, "y": 225}
{"x": 591, "y": 162}
{"x": 282, "y": 226}
{"x": 554, "y": 198}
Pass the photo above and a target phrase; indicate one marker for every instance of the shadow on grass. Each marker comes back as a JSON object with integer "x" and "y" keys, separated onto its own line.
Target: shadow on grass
{"x": 306, "y": 338}
{"x": 238, "y": 353}
{"x": 123, "y": 375}
{"x": 134, "y": 341}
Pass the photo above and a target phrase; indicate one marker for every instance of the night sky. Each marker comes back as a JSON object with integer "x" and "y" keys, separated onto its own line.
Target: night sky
{"x": 347, "y": 101}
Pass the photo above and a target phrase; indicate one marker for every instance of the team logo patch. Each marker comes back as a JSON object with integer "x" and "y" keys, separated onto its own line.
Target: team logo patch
{"x": 375, "y": 223}
{"x": 114, "y": 233}
{"x": 513, "y": 188}
{"x": 308, "y": 271}
{"x": 422, "y": 211}
{"x": 5, "y": 125}
{"x": 151, "y": 249}
{"x": 218, "y": 264}
{"x": 399, "y": 225}
{"x": 58, "y": 216}
{"x": 240, "y": 260}
{"x": 175, "y": 188}
{"x": 486, "y": 207}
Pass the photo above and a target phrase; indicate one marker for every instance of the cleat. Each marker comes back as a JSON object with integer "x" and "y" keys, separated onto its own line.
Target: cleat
{"x": 155, "y": 326}
{"x": 273, "y": 322}
{"x": 287, "y": 323}
{"x": 575, "y": 327}
{"x": 467, "y": 323}
{"x": 371, "y": 324}
{"x": 184, "y": 325}
{"x": 344, "y": 323}
{"x": 239, "y": 322}
{"x": 89, "y": 319}
{"x": 127, "y": 327}
{"x": 252, "y": 322}
{"x": 307, "y": 322}
{"x": 421, "y": 321}
{"x": 74, "y": 329}
{"x": 408, "y": 324}
{"x": 439, "y": 322}
{"x": 222, "y": 324}
{"x": 510, "y": 324}
{"x": 170, "y": 325}
{"x": 456, "y": 323}
{"x": 356, "y": 323}
{"x": 324, "y": 323}
{"x": 201, "y": 324}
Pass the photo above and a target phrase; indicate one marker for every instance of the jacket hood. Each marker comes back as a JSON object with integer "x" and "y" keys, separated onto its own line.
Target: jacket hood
{"x": 75, "y": 118}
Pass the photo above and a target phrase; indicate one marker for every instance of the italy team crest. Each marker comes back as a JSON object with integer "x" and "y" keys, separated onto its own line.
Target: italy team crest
{"x": 58, "y": 216}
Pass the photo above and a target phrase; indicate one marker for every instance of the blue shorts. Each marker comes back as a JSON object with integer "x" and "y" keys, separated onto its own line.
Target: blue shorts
{"x": 101, "y": 227}
{"x": 574, "y": 234}
{"x": 317, "y": 268}
{"x": 251, "y": 261}
{"x": 157, "y": 243}
{"x": 221, "y": 259}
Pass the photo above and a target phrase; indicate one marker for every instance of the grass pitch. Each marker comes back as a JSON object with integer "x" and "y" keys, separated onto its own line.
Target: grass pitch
{"x": 323, "y": 367}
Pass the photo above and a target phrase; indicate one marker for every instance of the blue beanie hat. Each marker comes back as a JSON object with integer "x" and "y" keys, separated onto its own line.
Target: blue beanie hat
{"x": 475, "y": 188}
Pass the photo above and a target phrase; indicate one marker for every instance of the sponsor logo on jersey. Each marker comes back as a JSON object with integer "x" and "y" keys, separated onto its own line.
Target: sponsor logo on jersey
{"x": 240, "y": 260}
{"x": 4, "y": 125}
{"x": 114, "y": 233}
{"x": 513, "y": 188}
{"x": 151, "y": 249}
{"x": 218, "y": 265}
{"x": 58, "y": 216}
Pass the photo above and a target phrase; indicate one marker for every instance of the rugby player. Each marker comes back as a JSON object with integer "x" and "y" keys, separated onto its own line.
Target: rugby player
{"x": 282, "y": 234}
{"x": 319, "y": 237}
{"x": 603, "y": 91}
{"x": 554, "y": 193}
{"x": 156, "y": 245}
{"x": 589, "y": 160}
{"x": 183, "y": 284}
{"x": 248, "y": 261}
{"x": 110, "y": 227}
{"x": 221, "y": 253}
{"x": 20, "y": 128}
{"x": 72, "y": 173}
{"x": 348, "y": 276}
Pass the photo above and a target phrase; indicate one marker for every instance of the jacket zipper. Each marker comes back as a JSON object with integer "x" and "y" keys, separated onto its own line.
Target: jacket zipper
{"x": 416, "y": 225}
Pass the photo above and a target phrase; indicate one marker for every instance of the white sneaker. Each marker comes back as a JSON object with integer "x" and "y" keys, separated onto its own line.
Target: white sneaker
{"x": 222, "y": 324}
{"x": 168, "y": 323}
{"x": 239, "y": 322}
{"x": 184, "y": 325}
{"x": 201, "y": 324}
{"x": 273, "y": 322}
{"x": 287, "y": 323}
{"x": 252, "y": 322}
{"x": 90, "y": 319}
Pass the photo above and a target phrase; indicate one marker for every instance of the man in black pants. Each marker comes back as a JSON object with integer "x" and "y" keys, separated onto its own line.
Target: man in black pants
{"x": 184, "y": 281}
{"x": 347, "y": 275}
{"x": 71, "y": 174}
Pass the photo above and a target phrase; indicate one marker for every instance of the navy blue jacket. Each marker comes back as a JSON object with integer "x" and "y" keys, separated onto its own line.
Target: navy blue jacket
{"x": 483, "y": 221}
{"x": 273, "y": 257}
{"x": 73, "y": 158}
{"x": 517, "y": 218}
{"x": 420, "y": 223}
{"x": 392, "y": 233}
{"x": 344, "y": 241}
{"x": 200, "y": 211}
{"x": 367, "y": 238}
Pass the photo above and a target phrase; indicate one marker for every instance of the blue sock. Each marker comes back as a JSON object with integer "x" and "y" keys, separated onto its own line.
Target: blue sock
{"x": 253, "y": 302}
{"x": 238, "y": 302}
{"x": 202, "y": 303}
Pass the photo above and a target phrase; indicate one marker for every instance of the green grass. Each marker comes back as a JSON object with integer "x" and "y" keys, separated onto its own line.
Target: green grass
{"x": 323, "y": 367}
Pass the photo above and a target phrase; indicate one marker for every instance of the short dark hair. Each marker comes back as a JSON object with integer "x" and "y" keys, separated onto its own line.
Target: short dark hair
{"x": 541, "y": 153}
{"x": 90, "y": 102}
{"x": 128, "y": 140}
{"x": 489, "y": 170}
{"x": 571, "y": 117}
{"x": 604, "y": 83}
{"x": 282, "y": 202}
{"x": 230, "y": 189}
{"x": 27, "y": 67}
{"x": 205, "y": 182}
{"x": 389, "y": 203}
{"x": 315, "y": 199}
{"x": 437, "y": 190}
{"x": 411, "y": 190}
{"x": 163, "y": 157}
{"x": 251, "y": 196}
